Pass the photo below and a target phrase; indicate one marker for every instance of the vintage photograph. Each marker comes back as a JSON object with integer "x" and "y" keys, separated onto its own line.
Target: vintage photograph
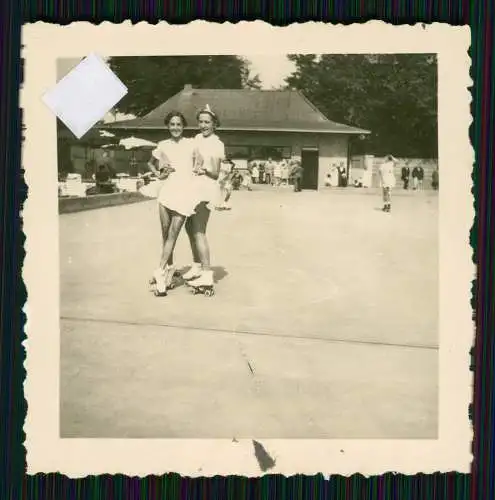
{"x": 249, "y": 249}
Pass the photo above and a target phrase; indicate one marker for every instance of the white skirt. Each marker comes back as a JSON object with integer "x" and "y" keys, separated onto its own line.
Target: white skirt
{"x": 151, "y": 190}
{"x": 207, "y": 190}
{"x": 179, "y": 194}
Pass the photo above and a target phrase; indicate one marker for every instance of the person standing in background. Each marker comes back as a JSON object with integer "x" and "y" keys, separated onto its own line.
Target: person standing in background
{"x": 421, "y": 176}
{"x": 269, "y": 171}
{"x": 387, "y": 180}
{"x": 434, "y": 179}
{"x": 225, "y": 182}
{"x": 255, "y": 172}
{"x": 405, "y": 173}
{"x": 297, "y": 174}
{"x": 284, "y": 173}
{"x": 277, "y": 173}
{"x": 415, "y": 178}
{"x": 261, "y": 173}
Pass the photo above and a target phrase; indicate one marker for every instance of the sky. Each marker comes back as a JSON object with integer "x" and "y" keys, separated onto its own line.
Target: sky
{"x": 272, "y": 70}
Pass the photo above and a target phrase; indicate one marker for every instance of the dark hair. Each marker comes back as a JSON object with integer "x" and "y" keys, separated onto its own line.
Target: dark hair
{"x": 208, "y": 111}
{"x": 173, "y": 114}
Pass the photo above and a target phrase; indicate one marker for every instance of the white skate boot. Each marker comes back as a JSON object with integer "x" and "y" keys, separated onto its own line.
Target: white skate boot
{"x": 193, "y": 273}
{"x": 153, "y": 279}
{"x": 203, "y": 284}
{"x": 160, "y": 285}
{"x": 169, "y": 277}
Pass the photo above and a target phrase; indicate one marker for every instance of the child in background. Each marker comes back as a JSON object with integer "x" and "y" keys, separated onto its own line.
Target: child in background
{"x": 225, "y": 181}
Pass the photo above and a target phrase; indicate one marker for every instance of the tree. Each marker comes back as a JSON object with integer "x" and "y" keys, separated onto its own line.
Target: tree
{"x": 154, "y": 79}
{"x": 249, "y": 81}
{"x": 393, "y": 95}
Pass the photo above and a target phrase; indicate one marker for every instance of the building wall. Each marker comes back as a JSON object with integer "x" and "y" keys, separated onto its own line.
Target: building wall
{"x": 429, "y": 165}
{"x": 332, "y": 148}
{"x": 333, "y": 152}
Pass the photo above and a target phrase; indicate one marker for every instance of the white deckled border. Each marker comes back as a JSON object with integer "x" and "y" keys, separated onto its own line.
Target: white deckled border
{"x": 46, "y": 452}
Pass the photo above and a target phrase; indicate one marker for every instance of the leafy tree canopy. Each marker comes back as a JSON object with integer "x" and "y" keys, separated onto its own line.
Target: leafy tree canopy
{"x": 154, "y": 79}
{"x": 393, "y": 95}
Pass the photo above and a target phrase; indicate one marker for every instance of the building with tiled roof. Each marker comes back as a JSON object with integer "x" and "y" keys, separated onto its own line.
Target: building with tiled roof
{"x": 258, "y": 124}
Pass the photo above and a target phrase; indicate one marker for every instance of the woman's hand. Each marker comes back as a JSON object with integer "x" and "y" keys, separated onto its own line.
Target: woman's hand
{"x": 165, "y": 172}
{"x": 199, "y": 170}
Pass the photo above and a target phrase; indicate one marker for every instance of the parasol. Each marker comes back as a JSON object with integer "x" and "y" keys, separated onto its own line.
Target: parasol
{"x": 136, "y": 142}
{"x": 104, "y": 133}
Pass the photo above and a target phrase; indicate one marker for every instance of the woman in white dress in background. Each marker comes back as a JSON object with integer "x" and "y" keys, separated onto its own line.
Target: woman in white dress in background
{"x": 209, "y": 151}
{"x": 387, "y": 181}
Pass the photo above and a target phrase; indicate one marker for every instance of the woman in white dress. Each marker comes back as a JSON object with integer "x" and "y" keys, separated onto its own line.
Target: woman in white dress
{"x": 209, "y": 151}
{"x": 173, "y": 160}
{"x": 387, "y": 180}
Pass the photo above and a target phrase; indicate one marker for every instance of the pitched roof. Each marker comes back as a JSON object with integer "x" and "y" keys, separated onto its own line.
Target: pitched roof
{"x": 249, "y": 110}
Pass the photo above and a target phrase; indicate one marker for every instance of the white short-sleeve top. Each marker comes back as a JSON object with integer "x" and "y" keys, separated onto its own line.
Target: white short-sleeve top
{"x": 210, "y": 148}
{"x": 387, "y": 176}
{"x": 179, "y": 154}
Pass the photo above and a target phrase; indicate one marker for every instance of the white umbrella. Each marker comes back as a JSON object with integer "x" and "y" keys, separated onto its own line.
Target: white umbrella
{"x": 104, "y": 133}
{"x": 136, "y": 142}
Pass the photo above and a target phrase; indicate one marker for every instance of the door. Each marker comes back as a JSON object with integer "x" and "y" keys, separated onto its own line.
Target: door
{"x": 309, "y": 161}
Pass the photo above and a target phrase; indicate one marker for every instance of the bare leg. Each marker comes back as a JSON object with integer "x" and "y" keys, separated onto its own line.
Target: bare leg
{"x": 192, "y": 240}
{"x": 200, "y": 223}
{"x": 165, "y": 225}
{"x": 176, "y": 223}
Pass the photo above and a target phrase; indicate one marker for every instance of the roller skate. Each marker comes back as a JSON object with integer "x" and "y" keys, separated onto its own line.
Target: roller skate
{"x": 159, "y": 286}
{"x": 170, "y": 274}
{"x": 193, "y": 273}
{"x": 203, "y": 284}
{"x": 152, "y": 280}
{"x": 163, "y": 281}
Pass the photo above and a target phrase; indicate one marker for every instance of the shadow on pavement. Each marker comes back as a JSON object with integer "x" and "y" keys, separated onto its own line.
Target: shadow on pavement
{"x": 219, "y": 273}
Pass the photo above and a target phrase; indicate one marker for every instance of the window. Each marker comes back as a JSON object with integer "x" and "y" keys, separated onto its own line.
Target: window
{"x": 258, "y": 152}
{"x": 237, "y": 151}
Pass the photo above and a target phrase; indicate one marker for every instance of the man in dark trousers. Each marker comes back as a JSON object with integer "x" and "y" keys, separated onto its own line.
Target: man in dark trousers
{"x": 421, "y": 176}
{"x": 406, "y": 171}
{"x": 297, "y": 174}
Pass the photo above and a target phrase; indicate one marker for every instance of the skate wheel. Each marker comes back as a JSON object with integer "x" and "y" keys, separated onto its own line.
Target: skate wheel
{"x": 152, "y": 281}
{"x": 209, "y": 293}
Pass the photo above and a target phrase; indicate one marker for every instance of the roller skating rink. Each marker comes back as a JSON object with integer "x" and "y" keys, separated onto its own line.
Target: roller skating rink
{"x": 323, "y": 323}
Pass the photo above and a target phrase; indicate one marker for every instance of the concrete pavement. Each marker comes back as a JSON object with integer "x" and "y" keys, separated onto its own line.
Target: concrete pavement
{"x": 324, "y": 322}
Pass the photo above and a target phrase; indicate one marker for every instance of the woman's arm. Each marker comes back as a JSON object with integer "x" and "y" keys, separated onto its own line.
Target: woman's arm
{"x": 216, "y": 162}
{"x": 153, "y": 165}
{"x": 214, "y": 171}
{"x": 212, "y": 168}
